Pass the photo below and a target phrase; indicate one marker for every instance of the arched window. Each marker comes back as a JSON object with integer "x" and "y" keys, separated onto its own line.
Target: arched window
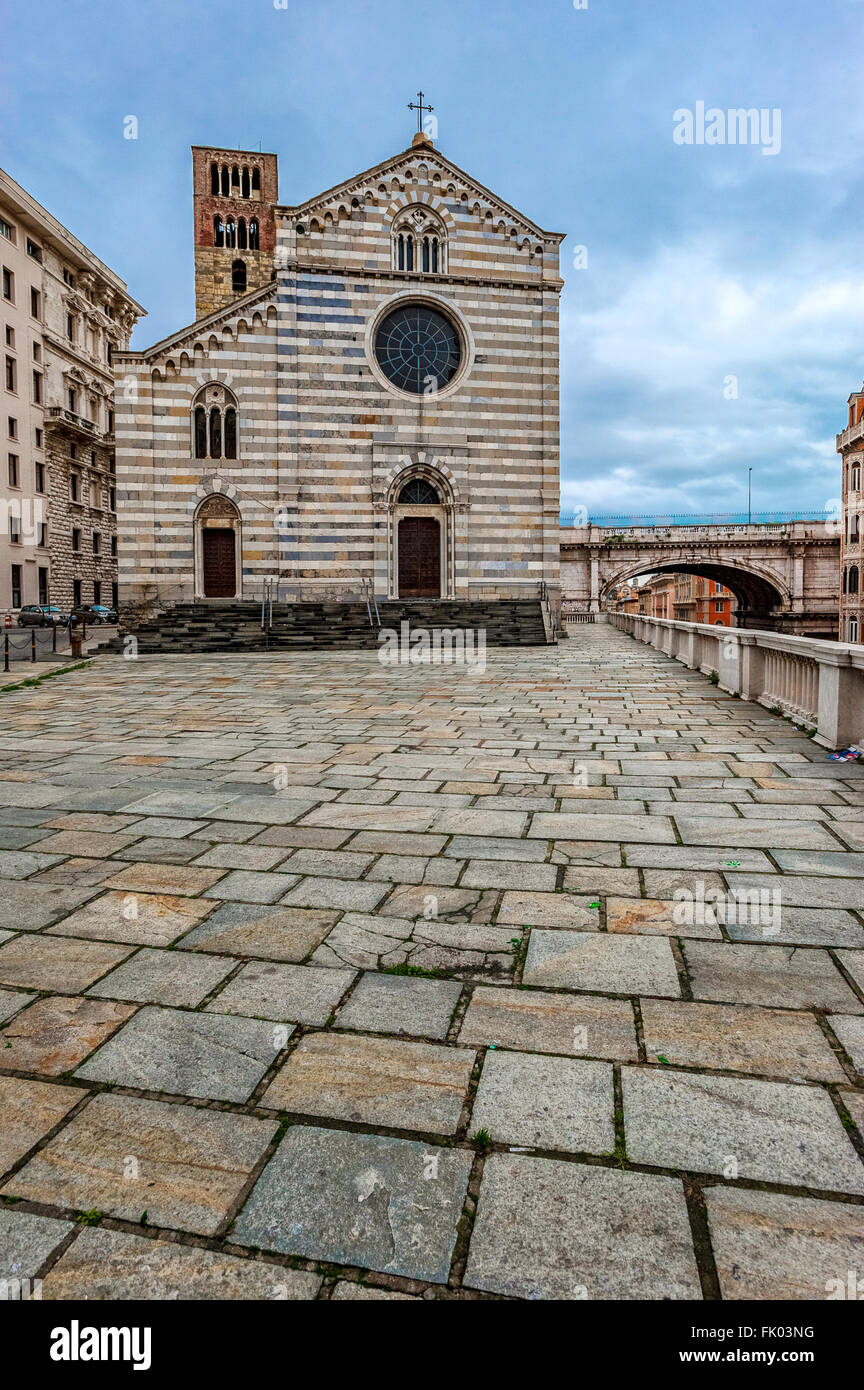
{"x": 214, "y": 423}
{"x": 200, "y": 432}
{"x": 256, "y": 179}
{"x": 418, "y": 491}
{"x": 853, "y": 580}
{"x": 226, "y": 187}
{"x": 214, "y": 178}
{"x": 230, "y": 433}
{"x": 235, "y": 177}
{"x": 230, "y": 232}
{"x": 238, "y": 277}
{"x": 241, "y": 234}
{"x": 218, "y": 231}
{"x": 244, "y": 182}
{"x": 419, "y": 242}
{"x": 215, "y": 433}
{"x": 253, "y": 234}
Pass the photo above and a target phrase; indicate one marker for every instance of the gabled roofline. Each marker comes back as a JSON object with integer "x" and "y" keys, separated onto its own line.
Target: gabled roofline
{"x": 416, "y": 153}
{"x": 199, "y": 325}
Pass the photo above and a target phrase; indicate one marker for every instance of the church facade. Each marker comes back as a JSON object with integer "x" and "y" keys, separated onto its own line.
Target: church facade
{"x": 367, "y": 401}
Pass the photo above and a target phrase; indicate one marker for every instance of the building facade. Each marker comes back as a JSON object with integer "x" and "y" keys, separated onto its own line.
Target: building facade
{"x": 63, "y": 313}
{"x": 378, "y": 407}
{"x": 850, "y": 446}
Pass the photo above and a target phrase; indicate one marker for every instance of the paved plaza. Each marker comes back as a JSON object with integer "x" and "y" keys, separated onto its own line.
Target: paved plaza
{"x": 327, "y": 979}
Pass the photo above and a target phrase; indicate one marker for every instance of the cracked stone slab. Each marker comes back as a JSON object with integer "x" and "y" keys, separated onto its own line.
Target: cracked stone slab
{"x": 739, "y": 1037}
{"x": 541, "y": 1021}
{"x": 56, "y": 962}
{"x": 213, "y": 1057}
{"x": 439, "y": 904}
{"x": 30, "y": 1109}
{"x": 26, "y": 1241}
{"x": 165, "y": 977}
{"x": 553, "y": 1230}
{"x": 546, "y": 1102}
{"x": 601, "y": 961}
{"x": 188, "y": 1167}
{"x": 297, "y": 993}
{"x": 251, "y": 929}
{"x": 400, "y": 1004}
{"x": 110, "y": 1265}
{"x": 18, "y": 863}
{"x": 56, "y": 1033}
{"x": 788, "y": 977}
{"x": 770, "y": 1246}
{"x": 391, "y": 1205}
{"x": 770, "y": 1131}
{"x": 137, "y": 918}
{"x": 376, "y": 1081}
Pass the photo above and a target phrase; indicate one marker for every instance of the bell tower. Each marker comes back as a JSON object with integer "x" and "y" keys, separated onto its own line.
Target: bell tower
{"x": 234, "y": 193}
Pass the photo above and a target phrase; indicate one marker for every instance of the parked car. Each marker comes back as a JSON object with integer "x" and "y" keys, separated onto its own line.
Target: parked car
{"x": 94, "y": 613}
{"x": 42, "y": 615}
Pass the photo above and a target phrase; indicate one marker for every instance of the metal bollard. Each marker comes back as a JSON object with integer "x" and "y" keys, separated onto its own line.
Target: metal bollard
{"x": 6, "y": 653}
{"x": 32, "y": 644}
{"x": 54, "y": 637}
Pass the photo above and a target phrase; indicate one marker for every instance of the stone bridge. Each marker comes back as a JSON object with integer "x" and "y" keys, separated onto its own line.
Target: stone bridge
{"x": 785, "y": 575}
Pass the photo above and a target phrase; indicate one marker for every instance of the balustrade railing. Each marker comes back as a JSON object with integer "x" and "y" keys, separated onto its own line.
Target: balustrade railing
{"x": 819, "y": 684}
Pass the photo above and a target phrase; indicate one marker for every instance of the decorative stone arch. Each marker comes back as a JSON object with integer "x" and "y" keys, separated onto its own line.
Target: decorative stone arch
{"x": 214, "y": 422}
{"x": 435, "y": 503}
{"x": 218, "y": 543}
{"x": 757, "y": 588}
{"x": 419, "y": 240}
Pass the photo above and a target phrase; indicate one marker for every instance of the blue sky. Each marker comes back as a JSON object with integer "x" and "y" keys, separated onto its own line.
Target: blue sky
{"x": 704, "y": 262}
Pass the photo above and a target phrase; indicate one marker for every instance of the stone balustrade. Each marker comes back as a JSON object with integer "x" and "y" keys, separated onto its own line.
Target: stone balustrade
{"x": 816, "y": 683}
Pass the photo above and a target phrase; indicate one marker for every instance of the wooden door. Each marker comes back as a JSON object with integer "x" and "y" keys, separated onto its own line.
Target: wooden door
{"x": 220, "y": 573}
{"x": 419, "y": 557}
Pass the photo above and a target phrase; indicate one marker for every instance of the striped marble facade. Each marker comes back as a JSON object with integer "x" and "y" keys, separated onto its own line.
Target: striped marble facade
{"x": 324, "y": 441}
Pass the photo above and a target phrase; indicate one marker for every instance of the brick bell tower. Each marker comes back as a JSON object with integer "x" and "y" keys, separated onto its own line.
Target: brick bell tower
{"x": 234, "y": 193}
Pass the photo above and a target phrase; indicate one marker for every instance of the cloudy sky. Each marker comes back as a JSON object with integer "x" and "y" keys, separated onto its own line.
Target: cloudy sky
{"x": 717, "y": 324}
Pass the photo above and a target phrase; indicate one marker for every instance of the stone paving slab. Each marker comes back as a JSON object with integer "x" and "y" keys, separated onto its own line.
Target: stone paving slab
{"x": 391, "y": 1205}
{"x": 26, "y": 1241}
{"x": 54, "y": 962}
{"x": 770, "y": 1246}
{"x": 601, "y": 961}
{"x": 138, "y": 918}
{"x": 275, "y": 933}
{"x": 738, "y": 1037}
{"x": 56, "y": 1033}
{"x": 786, "y": 976}
{"x": 30, "y": 1109}
{"x": 109, "y": 1265}
{"x": 768, "y": 1131}
{"x": 399, "y": 1004}
{"x": 548, "y": 1229}
{"x": 188, "y": 1054}
{"x": 542, "y": 1021}
{"x": 383, "y": 1081}
{"x": 192, "y": 1165}
{"x": 546, "y": 1102}
{"x": 298, "y": 993}
{"x": 165, "y": 977}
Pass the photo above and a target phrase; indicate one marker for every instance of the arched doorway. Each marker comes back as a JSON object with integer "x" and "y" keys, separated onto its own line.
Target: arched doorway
{"x": 421, "y": 537}
{"x": 217, "y": 549}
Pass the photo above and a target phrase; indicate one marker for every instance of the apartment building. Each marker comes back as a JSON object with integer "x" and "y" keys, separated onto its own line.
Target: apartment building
{"x": 63, "y": 314}
{"x": 850, "y": 446}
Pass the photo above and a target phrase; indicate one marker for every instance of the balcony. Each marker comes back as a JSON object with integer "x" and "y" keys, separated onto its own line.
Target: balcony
{"x": 851, "y": 435}
{"x": 58, "y": 415}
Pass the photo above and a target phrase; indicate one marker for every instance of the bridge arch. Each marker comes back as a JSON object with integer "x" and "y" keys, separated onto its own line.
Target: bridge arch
{"x": 760, "y": 593}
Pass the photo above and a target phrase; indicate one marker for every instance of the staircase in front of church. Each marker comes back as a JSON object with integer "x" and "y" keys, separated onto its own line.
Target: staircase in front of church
{"x": 231, "y": 626}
